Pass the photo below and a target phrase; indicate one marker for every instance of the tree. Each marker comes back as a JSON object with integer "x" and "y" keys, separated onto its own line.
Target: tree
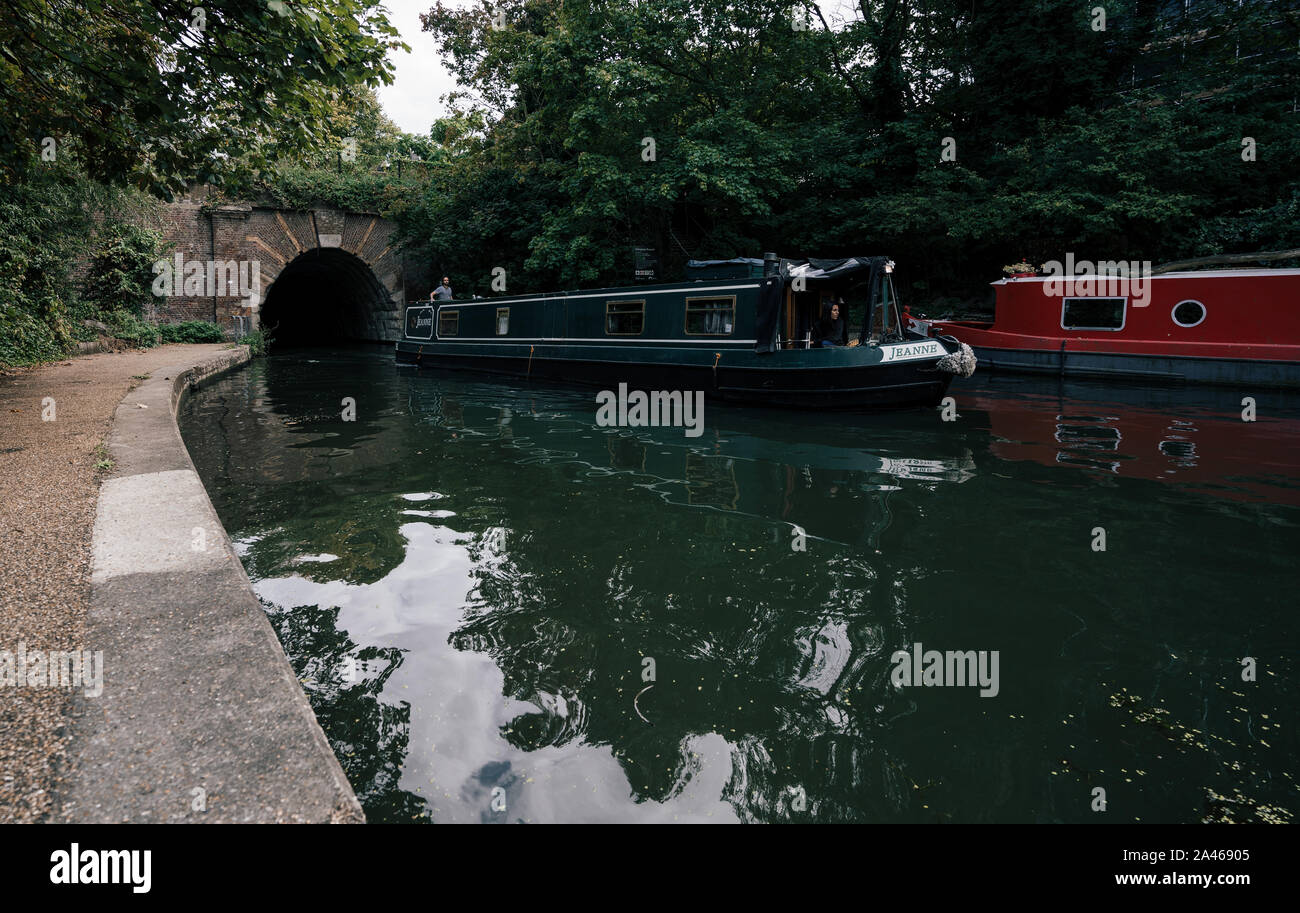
{"x": 158, "y": 92}
{"x": 710, "y": 128}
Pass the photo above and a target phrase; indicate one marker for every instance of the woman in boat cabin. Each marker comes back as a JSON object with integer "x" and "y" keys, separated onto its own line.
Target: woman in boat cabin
{"x": 832, "y": 330}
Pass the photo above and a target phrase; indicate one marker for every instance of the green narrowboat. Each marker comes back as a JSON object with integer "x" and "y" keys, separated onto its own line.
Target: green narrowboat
{"x": 744, "y": 330}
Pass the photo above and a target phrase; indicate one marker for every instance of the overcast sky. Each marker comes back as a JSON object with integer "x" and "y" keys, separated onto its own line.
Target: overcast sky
{"x": 415, "y": 99}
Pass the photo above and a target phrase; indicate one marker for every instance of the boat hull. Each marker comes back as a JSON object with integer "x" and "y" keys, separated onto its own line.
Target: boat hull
{"x": 1075, "y": 364}
{"x": 814, "y": 379}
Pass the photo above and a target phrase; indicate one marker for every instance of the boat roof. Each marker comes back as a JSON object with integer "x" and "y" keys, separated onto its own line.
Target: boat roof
{"x": 814, "y": 269}
{"x": 1184, "y": 274}
{"x": 648, "y": 288}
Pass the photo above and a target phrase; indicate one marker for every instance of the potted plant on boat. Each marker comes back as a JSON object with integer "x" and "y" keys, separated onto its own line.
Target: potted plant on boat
{"x": 1021, "y": 270}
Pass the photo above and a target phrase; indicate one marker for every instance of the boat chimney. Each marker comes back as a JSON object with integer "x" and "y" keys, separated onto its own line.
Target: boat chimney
{"x": 771, "y": 263}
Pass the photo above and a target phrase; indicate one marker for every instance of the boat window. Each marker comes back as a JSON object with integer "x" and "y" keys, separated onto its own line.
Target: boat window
{"x": 710, "y": 316}
{"x": 503, "y": 321}
{"x": 624, "y": 318}
{"x": 1188, "y": 313}
{"x": 448, "y": 323}
{"x": 1093, "y": 313}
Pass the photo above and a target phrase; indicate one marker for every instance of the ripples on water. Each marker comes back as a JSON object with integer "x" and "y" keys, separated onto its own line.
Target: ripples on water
{"x": 470, "y": 578}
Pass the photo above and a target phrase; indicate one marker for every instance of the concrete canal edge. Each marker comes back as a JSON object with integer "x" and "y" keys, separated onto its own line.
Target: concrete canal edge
{"x": 201, "y": 718}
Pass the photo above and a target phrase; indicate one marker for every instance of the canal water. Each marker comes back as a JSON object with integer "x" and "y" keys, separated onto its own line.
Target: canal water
{"x": 504, "y": 612}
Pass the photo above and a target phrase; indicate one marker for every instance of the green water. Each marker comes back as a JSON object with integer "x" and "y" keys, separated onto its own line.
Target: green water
{"x": 470, "y": 577}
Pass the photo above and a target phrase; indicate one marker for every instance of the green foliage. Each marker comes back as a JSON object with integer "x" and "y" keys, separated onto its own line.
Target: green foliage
{"x": 299, "y": 187}
{"x": 156, "y": 92}
{"x": 104, "y": 462}
{"x": 258, "y": 342}
{"x": 191, "y": 331}
{"x": 83, "y": 320}
{"x": 1123, "y": 143}
{"x": 42, "y": 230}
{"x": 363, "y": 164}
{"x": 121, "y": 272}
{"x": 128, "y": 328}
{"x": 133, "y": 331}
{"x": 355, "y": 122}
{"x": 25, "y": 339}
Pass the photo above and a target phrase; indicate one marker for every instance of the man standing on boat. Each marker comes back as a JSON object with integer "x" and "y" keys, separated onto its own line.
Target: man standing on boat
{"x": 442, "y": 292}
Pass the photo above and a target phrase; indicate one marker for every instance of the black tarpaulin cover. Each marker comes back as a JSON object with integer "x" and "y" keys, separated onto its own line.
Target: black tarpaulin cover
{"x": 770, "y": 295}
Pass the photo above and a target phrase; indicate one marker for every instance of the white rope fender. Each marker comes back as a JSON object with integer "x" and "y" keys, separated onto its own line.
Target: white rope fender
{"x": 961, "y": 362}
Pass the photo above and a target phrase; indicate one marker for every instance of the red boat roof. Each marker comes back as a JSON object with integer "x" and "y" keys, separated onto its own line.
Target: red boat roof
{"x": 1186, "y": 274}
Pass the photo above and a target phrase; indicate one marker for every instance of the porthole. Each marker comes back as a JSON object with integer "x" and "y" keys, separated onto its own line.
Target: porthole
{"x": 1188, "y": 313}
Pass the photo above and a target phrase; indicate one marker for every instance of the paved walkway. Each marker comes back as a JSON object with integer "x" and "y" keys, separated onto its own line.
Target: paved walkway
{"x": 198, "y": 715}
{"x": 48, "y": 488}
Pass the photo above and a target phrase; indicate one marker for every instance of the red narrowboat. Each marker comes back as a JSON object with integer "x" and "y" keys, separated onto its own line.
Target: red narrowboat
{"x": 1234, "y": 326}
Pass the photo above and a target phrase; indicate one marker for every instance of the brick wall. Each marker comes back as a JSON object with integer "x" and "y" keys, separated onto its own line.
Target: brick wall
{"x": 187, "y": 228}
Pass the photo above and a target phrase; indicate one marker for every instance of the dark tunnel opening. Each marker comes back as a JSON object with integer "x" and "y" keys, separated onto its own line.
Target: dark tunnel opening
{"x": 325, "y": 296}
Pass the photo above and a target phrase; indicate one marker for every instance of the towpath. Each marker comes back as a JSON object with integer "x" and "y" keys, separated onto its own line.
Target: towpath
{"x": 52, "y": 420}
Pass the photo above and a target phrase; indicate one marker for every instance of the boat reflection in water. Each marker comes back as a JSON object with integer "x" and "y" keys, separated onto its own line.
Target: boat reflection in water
{"x": 728, "y": 469}
{"x": 1196, "y": 440}
{"x": 470, "y": 578}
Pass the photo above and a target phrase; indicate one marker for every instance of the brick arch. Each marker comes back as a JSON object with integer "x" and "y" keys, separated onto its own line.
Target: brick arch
{"x": 273, "y": 239}
{"x": 282, "y": 238}
{"x": 327, "y": 294}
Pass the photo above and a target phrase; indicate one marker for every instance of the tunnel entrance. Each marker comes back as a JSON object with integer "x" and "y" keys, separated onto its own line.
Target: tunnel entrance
{"x": 326, "y": 296}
